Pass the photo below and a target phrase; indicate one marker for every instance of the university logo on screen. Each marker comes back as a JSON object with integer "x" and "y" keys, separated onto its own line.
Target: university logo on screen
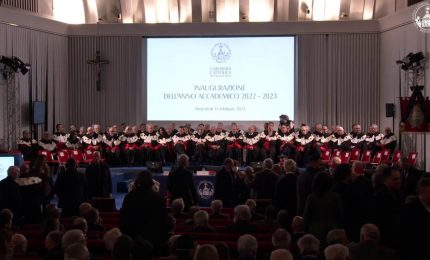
{"x": 421, "y": 16}
{"x": 220, "y": 53}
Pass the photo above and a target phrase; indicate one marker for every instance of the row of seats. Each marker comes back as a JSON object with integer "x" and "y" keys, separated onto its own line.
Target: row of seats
{"x": 380, "y": 157}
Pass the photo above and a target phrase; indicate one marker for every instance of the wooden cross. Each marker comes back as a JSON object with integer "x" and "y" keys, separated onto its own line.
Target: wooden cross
{"x": 98, "y": 62}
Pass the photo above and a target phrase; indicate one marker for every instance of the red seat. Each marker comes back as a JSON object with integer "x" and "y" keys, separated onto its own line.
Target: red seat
{"x": 396, "y": 157}
{"x": 377, "y": 159}
{"x": 385, "y": 158}
{"x": 48, "y": 155}
{"x": 367, "y": 155}
{"x": 336, "y": 153}
{"x": 325, "y": 156}
{"x": 345, "y": 157}
{"x": 355, "y": 155}
{"x": 412, "y": 158}
{"x": 88, "y": 155}
{"x": 63, "y": 156}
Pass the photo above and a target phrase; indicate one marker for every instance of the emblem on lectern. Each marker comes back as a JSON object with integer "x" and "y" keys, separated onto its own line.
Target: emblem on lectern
{"x": 206, "y": 190}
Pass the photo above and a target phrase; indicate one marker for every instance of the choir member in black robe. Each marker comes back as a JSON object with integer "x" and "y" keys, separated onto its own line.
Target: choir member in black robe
{"x": 234, "y": 142}
{"x": 181, "y": 141}
{"x": 389, "y": 141}
{"x": 215, "y": 143}
{"x": 285, "y": 138}
{"x": 199, "y": 143}
{"x": 269, "y": 142}
{"x": 251, "y": 140}
{"x": 27, "y": 146}
{"x": 165, "y": 140}
{"x": 373, "y": 138}
{"x": 132, "y": 146}
{"x": 60, "y": 136}
{"x": 357, "y": 138}
{"x": 303, "y": 144}
{"x": 46, "y": 143}
{"x": 150, "y": 143}
{"x": 340, "y": 140}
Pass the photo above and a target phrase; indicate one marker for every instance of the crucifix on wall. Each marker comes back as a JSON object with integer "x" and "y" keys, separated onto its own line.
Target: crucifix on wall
{"x": 98, "y": 62}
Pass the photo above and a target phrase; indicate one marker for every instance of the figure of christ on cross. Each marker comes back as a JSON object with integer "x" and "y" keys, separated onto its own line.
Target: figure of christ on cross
{"x": 98, "y": 62}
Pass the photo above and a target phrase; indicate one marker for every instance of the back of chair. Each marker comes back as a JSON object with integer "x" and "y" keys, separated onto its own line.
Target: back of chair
{"x": 89, "y": 155}
{"x": 367, "y": 155}
{"x": 345, "y": 156}
{"x": 377, "y": 159}
{"x": 355, "y": 154}
{"x": 62, "y": 157}
{"x": 325, "y": 155}
{"x": 77, "y": 155}
{"x": 396, "y": 157}
{"x": 412, "y": 158}
{"x": 385, "y": 158}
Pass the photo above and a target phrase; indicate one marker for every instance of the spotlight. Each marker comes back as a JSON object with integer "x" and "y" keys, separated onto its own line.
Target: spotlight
{"x": 411, "y": 61}
{"x": 21, "y": 65}
{"x": 9, "y": 62}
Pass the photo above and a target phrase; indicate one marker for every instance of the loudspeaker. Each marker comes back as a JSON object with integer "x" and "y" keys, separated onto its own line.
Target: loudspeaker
{"x": 389, "y": 110}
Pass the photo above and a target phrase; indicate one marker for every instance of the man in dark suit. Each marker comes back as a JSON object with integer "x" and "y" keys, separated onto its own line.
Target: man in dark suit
{"x": 388, "y": 205}
{"x": 224, "y": 183}
{"x": 369, "y": 247}
{"x": 10, "y": 195}
{"x": 180, "y": 183}
{"x": 415, "y": 223}
{"x": 285, "y": 192}
{"x": 304, "y": 182}
{"x": 410, "y": 177}
{"x": 143, "y": 213}
{"x": 99, "y": 178}
{"x": 265, "y": 181}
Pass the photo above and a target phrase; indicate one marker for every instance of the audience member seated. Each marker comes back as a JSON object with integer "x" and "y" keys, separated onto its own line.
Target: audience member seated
{"x": 252, "y": 205}
{"x": 206, "y": 252}
{"x": 19, "y": 245}
{"x": 369, "y": 247}
{"x": 6, "y": 218}
{"x": 94, "y": 221}
{"x": 54, "y": 251}
{"x": 269, "y": 217}
{"x": 6, "y": 244}
{"x": 171, "y": 245}
{"x": 52, "y": 220}
{"x": 191, "y": 211}
{"x": 143, "y": 250}
{"x": 309, "y": 247}
{"x": 84, "y": 209}
{"x": 281, "y": 254}
{"x": 337, "y": 236}
{"x": 216, "y": 210}
{"x": 76, "y": 251}
{"x": 185, "y": 247}
{"x": 201, "y": 223}
{"x": 337, "y": 252}
{"x": 242, "y": 221}
{"x": 223, "y": 250}
{"x": 110, "y": 238}
{"x": 247, "y": 247}
{"x": 298, "y": 228}
{"x": 81, "y": 224}
{"x": 177, "y": 209}
{"x": 171, "y": 225}
{"x": 283, "y": 220}
{"x": 281, "y": 239}
{"x": 73, "y": 236}
{"x": 123, "y": 248}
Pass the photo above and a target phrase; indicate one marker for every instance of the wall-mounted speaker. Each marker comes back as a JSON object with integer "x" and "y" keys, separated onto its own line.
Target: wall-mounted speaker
{"x": 389, "y": 109}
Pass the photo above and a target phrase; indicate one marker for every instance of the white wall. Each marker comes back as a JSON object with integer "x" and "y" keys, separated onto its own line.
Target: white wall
{"x": 398, "y": 38}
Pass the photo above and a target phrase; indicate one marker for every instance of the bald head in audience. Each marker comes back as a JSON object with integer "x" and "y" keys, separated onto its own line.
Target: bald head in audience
{"x": 110, "y": 238}
{"x": 73, "y": 236}
{"x": 281, "y": 254}
{"x": 19, "y": 244}
{"x": 247, "y": 246}
{"x": 76, "y": 251}
{"x": 336, "y": 252}
{"x": 281, "y": 239}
